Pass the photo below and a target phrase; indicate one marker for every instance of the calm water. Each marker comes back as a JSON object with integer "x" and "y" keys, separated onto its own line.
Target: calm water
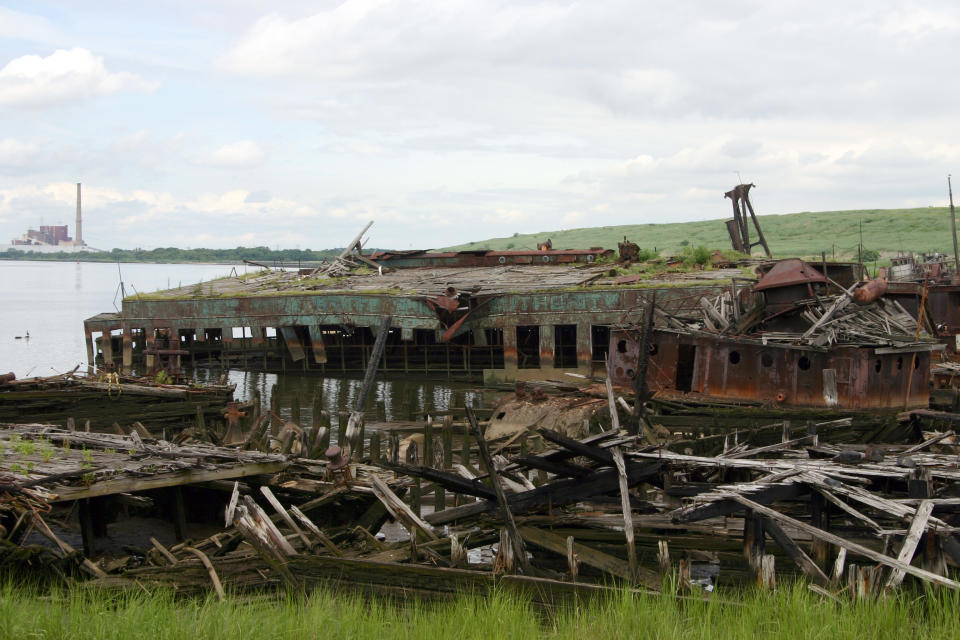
{"x": 50, "y": 300}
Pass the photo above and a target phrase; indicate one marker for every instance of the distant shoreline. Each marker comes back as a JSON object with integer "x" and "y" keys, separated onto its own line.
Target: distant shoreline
{"x": 171, "y": 255}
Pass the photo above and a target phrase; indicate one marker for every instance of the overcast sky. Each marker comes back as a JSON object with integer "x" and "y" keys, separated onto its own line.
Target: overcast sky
{"x": 238, "y": 122}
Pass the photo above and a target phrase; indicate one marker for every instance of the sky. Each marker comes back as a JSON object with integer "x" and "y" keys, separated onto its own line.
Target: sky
{"x": 220, "y": 123}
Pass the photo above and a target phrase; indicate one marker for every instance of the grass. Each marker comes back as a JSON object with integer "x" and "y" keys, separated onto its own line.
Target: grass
{"x": 798, "y": 234}
{"x": 791, "y": 612}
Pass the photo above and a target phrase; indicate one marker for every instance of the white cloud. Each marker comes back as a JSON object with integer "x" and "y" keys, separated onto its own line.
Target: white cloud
{"x": 63, "y": 76}
{"x": 23, "y": 26}
{"x": 243, "y": 154}
{"x": 139, "y": 213}
{"x": 15, "y": 154}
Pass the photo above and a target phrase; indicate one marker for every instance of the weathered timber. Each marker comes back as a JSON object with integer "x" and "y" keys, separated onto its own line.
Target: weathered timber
{"x": 849, "y": 546}
{"x": 590, "y": 556}
{"x": 516, "y": 541}
{"x": 789, "y": 547}
{"x": 556, "y": 493}
{"x": 451, "y": 481}
{"x": 726, "y": 506}
{"x": 911, "y": 541}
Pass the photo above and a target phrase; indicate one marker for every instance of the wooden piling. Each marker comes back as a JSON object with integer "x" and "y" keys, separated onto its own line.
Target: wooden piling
{"x": 375, "y": 447}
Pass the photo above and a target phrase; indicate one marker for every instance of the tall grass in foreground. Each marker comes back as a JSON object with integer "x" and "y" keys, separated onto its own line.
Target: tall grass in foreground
{"x": 791, "y": 612}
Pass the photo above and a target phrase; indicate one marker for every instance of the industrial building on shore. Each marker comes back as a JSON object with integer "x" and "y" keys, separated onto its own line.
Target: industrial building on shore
{"x": 52, "y": 238}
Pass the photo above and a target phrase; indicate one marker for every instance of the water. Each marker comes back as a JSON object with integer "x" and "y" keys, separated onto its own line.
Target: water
{"x": 50, "y": 300}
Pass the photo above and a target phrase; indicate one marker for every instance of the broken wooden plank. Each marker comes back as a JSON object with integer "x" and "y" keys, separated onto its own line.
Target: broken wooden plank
{"x": 214, "y": 578}
{"x": 516, "y": 542}
{"x": 315, "y": 530}
{"x": 399, "y": 510}
{"x": 85, "y": 564}
{"x": 272, "y": 499}
{"x": 911, "y": 541}
{"x": 590, "y": 556}
{"x": 625, "y": 507}
{"x": 849, "y": 546}
{"x": 556, "y": 493}
{"x": 799, "y": 557}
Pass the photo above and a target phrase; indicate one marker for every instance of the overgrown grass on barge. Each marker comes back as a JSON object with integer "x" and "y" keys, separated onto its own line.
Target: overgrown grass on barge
{"x": 791, "y": 612}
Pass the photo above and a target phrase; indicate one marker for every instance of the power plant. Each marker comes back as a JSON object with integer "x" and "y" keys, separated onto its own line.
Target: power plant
{"x": 53, "y": 238}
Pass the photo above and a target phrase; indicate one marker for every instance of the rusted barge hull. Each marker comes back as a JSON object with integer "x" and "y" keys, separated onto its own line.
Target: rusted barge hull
{"x": 774, "y": 374}
{"x": 498, "y": 336}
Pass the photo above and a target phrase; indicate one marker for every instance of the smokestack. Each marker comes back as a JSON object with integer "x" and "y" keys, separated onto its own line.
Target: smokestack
{"x": 78, "y": 239}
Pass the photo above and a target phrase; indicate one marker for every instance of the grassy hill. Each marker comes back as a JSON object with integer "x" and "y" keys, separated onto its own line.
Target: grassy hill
{"x": 797, "y": 234}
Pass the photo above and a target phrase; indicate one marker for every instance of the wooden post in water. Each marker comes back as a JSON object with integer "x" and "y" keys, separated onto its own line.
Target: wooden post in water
{"x": 516, "y": 542}
{"x": 375, "y": 447}
{"x": 428, "y": 442}
{"x": 316, "y": 407}
{"x": 446, "y": 439}
{"x": 295, "y": 409}
{"x": 275, "y": 399}
{"x": 415, "y": 500}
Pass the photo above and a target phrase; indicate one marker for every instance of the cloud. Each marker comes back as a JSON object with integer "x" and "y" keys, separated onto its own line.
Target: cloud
{"x": 243, "y": 154}
{"x": 17, "y": 155}
{"x": 63, "y": 76}
{"x": 23, "y": 26}
{"x": 139, "y": 214}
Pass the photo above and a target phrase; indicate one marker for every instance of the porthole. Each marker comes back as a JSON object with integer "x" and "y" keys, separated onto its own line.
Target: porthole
{"x": 590, "y": 258}
{"x": 622, "y": 346}
{"x": 734, "y": 357}
{"x": 803, "y": 363}
{"x": 502, "y": 259}
{"x": 878, "y": 365}
{"x": 545, "y": 258}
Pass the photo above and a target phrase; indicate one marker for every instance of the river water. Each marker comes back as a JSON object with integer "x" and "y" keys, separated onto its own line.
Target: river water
{"x": 44, "y": 304}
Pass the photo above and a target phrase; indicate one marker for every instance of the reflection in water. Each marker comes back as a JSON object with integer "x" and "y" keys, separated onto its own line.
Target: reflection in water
{"x": 399, "y": 399}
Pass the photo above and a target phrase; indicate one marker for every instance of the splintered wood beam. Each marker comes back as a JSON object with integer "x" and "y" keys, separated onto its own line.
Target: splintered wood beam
{"x": 399, "y": 510}
{"x": 800, "y": 558}
{"x": 851, "y": 547}
{"x": 455, "y": 482}
{"x": 556, "y": 493}
{"x": 121, "y": 484}
{"x": 373, "y": 363}
{"x": 590, "y": 556}
{"x": 724, "y": 506}
{"x": 516, "y": 542}
{"x": 578, "y": 448}
{"x": 565, "y": 469}
{"x": 85, "y": 564}
{"x": 625, "y": 506}
{"x": 214, "y": 578}
{"x": 911, "y": 541}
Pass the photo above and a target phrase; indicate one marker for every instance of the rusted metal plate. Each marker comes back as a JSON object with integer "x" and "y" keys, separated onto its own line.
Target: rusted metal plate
{"x": 294, "y": 345}
{"x": 740, "y": 369}
{"x": 405, "y": 259}
{"x": 790, "y": 272}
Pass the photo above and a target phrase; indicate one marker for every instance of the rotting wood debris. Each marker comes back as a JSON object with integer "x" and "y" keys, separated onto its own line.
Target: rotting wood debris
{"x": 545, "y": 514}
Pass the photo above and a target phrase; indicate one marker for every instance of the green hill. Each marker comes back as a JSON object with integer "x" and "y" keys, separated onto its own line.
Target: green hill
{"x": 888, "y": 231}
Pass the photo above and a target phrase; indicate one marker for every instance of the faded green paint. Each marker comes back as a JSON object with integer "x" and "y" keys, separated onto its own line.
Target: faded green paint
{"x": 600, "y": 306}
{"x": 580, "y": 307}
